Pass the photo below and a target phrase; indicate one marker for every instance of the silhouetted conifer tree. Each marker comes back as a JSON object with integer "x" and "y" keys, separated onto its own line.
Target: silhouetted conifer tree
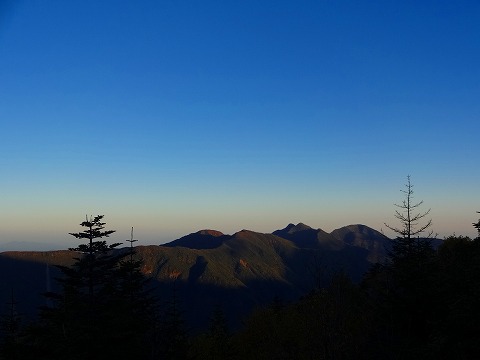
{"x": 103, "y": 308}
{"x": 406, "y": 279}
{"x": 136, "y": 304}
{"x": 409, "y": 245}
{"x": 97, "y": 261}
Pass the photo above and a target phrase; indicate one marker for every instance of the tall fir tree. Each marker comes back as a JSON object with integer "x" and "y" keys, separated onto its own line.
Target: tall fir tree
{"x": 408, "y": 277}
{"x": 408, "y": 244}
{"x": 103, "y": 309}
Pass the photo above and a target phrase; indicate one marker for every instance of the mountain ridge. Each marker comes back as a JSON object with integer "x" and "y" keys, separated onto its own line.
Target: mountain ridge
{"x": 239, "y": 271}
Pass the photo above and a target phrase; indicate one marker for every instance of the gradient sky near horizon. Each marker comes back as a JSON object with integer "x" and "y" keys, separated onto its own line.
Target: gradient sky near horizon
{"x": 175, "y": 116}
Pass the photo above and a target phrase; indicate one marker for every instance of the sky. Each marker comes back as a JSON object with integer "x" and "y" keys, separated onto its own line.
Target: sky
{"x": 173, "y": 116}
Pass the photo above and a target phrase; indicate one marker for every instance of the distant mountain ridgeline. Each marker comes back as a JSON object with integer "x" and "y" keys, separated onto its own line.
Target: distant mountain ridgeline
{"x": 208, "y": 268}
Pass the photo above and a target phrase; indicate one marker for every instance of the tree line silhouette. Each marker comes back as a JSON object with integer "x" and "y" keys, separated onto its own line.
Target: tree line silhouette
{"x": 421, "y": 303}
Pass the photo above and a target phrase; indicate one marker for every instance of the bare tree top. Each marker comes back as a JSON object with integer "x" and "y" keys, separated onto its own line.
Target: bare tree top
{"x": 409, "y": 215}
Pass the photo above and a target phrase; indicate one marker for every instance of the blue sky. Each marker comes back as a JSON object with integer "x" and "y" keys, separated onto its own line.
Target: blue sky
{"x": 173, "y": 116}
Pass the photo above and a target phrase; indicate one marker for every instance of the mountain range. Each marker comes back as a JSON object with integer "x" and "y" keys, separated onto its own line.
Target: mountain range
{"x": 209, "y": 268}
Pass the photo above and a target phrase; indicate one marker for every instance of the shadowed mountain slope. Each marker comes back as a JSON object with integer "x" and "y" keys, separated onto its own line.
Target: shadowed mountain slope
{"x": 208, "y": 268}
{"x": 364, "y": 237}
